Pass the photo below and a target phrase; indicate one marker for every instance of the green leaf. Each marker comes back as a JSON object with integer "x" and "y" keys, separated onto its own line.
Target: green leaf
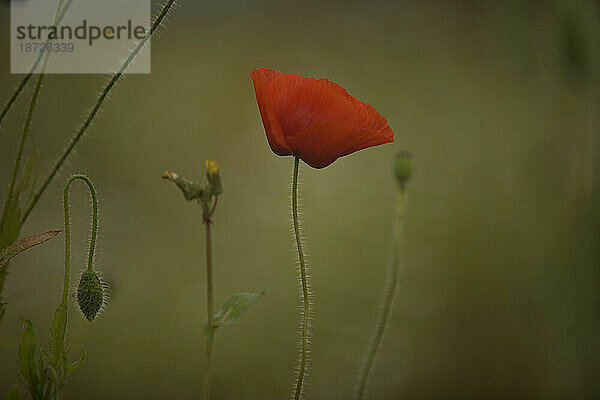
{"x": 28, "y": 371}
{"x": 236, "y": 306}
{"x": 29, "y": 175}
{"x": 10, "y": 223}
{"x": 73, "y": 367}
{"x": 56, "y": 342}
{"x": 23, "y": 244}
{"x": 14, "y": 394}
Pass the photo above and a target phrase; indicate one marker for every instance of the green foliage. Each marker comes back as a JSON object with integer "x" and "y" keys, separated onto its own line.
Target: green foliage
{"x": 35, "y": 375}
{"x": 14, "y": 394}
{"x": 10, "y": 222}
{"x": 43, "y": 376}
{"x": 56, "y": 341}
{"x": 236, "y": 306}
{"x": 44, "y": 373}
{"x": 13, "y": 250}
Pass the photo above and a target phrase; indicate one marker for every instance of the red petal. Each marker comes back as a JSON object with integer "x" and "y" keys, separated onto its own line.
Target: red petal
{"x": 316, "y": 119}
{"x": 261, "y": 78}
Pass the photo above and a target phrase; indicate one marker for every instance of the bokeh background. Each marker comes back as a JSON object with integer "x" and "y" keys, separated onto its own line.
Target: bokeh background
{"x": 499, "y": 299}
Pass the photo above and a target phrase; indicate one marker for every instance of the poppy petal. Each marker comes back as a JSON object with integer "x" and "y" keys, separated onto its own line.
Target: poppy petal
{"x": 315, "y": 119}
{"x": 261, "y": 78}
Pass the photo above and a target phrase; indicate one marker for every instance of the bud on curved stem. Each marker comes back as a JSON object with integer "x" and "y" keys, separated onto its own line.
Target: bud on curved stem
{"x": 91, "y": 291}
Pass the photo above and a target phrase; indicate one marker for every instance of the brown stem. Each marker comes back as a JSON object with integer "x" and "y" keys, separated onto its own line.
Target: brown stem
{"x": 210, "y": 334}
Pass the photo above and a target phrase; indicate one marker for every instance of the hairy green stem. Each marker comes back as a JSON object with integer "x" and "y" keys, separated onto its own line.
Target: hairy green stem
{"x": 11, "y": 101}
{"x": 19, "y": 157}
{"x": 24, "y": 135}
{"x": 29, "y": 117}
{"x": 68, "y": 231}
{"x": 210, "y": 335}
{"x": 75, "y": 139}
{"x": 305, "y": 314}
{"x": 390, "y": 289}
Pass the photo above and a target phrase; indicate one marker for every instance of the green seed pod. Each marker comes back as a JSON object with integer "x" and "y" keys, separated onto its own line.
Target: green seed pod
{"x": 403, "y": 167}
{"x": 91, "y": 294}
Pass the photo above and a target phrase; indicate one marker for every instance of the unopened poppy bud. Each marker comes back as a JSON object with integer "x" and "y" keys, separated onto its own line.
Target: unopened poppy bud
{"x": 91, "y": 294}
{"x": 191, "y": 190}
{"x": 403, "y": 167}
{"x": 213, "y": 176}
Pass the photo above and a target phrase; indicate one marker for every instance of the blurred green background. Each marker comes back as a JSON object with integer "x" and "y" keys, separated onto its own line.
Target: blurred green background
{"x": 499, "y": 299}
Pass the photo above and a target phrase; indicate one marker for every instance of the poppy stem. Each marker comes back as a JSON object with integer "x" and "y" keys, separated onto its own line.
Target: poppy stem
{"x": 210, "y": 329}
{"x": 68, "y": 231}
{"x": 388, "y": 298}
{"x": 304, "y": 280}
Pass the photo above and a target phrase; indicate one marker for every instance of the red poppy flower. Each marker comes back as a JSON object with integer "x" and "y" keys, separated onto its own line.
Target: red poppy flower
{"x": 315, "y": 119}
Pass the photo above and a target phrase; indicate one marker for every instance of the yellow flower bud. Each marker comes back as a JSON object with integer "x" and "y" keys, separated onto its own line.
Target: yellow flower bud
{"x": 214, "y": 179}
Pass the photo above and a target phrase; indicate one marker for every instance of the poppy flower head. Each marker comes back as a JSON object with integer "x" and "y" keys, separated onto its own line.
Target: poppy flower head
{"x": 315, "y": 119}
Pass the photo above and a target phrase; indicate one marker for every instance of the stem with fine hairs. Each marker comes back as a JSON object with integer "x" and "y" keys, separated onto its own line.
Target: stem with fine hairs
{"x": 304, "y": 280}
{"x": 11, "y": 101}
{"x": 388, "y": 298}
{"x": 29, "y": 116}
{"x": 87, "y": 122}
{"x": 93, "y": 235}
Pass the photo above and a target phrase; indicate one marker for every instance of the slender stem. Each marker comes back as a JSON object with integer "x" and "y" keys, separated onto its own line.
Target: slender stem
{"x": 210, "y": 336}
{"x": 75, "y": 139}
{"x": 11, "y": 101}
{"x": 68, "y": 231}
{"x": 29, "y": 117}
{"x": 305, "y": 314}
{"x": 388, "y": 298}
{"x": 19, "y": 157}
{"x": 24, "y": 135}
